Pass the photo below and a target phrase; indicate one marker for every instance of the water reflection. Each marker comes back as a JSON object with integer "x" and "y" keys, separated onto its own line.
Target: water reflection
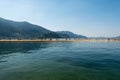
{"x": 23, "y": 47}
{"x": 7, "y": 48}
{"x": 59, "y": 61}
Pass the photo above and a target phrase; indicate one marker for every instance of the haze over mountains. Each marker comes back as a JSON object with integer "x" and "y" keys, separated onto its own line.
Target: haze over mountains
{"x": 13, "y": 29}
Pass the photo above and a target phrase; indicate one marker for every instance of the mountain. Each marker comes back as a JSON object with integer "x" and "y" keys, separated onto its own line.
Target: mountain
{"x": 69, "y": 34}
{"x": 25, "y": 30}
{"x": 12, "y": 29}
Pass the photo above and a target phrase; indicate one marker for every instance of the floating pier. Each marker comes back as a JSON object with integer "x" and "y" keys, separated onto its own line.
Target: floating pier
{"x": 63, "y": 40}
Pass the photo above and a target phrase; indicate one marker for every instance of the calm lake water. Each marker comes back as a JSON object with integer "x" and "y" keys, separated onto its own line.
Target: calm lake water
{"x": 59, "y": 61}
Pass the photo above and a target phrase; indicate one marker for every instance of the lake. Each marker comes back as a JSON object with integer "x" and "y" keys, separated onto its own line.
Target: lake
{"x": 60, "y": 61}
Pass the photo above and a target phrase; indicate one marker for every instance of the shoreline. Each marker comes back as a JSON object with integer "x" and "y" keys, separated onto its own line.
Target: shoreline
{"x": 60, "y": 40}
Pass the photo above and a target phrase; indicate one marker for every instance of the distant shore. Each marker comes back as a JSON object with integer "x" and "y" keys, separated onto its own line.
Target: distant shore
{"x": 62, "y": 40}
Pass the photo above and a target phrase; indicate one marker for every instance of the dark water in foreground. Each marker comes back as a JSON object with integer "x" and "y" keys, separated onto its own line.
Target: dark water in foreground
{"x": 60, "y": 61}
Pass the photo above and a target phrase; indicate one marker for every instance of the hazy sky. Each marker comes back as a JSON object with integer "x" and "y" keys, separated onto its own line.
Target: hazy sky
{"x": 86, "y": 17}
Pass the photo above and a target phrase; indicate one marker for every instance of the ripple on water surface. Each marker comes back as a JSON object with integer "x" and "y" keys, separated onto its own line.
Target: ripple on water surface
{"x": 59, "y": 61}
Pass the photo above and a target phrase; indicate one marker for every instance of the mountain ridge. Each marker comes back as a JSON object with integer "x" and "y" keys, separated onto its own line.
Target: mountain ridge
{"x": 24, "y": 29}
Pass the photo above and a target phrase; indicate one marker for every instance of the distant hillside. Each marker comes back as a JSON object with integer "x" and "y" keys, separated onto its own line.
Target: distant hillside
{"x": 12, "y": 29}
{"x": 69, "y": 34}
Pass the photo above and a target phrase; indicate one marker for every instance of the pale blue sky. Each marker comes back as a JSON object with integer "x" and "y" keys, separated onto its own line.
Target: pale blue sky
{"x": 86, "y": 17}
